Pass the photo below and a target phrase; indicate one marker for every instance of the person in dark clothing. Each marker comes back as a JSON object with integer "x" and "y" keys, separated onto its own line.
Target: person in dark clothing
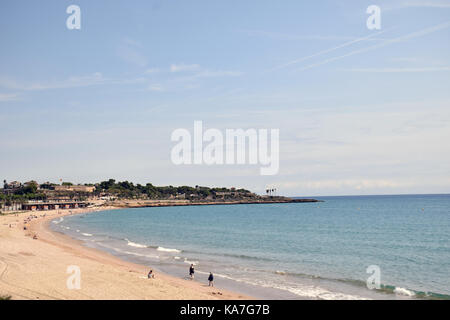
{"x": 191, "y": 271}
{"x": 211, "y": 279}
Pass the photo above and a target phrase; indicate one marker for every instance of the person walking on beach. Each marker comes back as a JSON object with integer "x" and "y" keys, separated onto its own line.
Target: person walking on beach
{"x": 191, "y": 271}
{"x": 211, "y": 280}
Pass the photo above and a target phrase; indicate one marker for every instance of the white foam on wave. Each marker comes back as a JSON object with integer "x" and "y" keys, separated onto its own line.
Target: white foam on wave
{"x": 304, "y": 291}
{"x": 168, "y": 250}
{"x": 190, "y": 262}
{"x": 323, "y": 294}
{"x": 128, "y": 252}
{"x": 141, "y": 255}
{"x": 404, "y": 292}
{"x": 87, "y": 234}
{"x": 223, "y": 276}
{"x": 61, "y": 219}
{"x": 136, "y": 245}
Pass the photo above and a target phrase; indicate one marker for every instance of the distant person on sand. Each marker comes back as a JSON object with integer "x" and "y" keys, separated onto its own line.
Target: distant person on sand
{"x": 211, "y": 280}
{"x": 191, "y": 271}
{"x": 151, "y": 275}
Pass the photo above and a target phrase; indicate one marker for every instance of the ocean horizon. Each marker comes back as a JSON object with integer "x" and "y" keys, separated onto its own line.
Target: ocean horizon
{"x": 291, "y": 250}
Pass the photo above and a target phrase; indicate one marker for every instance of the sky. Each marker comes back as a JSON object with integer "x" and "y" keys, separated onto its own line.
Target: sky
{"x": 359, "y": 111}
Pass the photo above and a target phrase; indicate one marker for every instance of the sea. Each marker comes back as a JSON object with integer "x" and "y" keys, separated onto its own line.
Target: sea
{"x": 346, "y": 247}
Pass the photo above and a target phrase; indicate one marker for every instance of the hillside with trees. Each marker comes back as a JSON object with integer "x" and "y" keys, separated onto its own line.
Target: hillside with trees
{"x": 16, "y": 192}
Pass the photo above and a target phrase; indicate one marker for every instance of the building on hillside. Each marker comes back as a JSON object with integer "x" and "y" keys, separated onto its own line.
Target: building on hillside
{"x": 10, "y": 188}
{"x": 30, "y": 183}
{"x": 13, "y": 185}
{"x": 87, "y": 189}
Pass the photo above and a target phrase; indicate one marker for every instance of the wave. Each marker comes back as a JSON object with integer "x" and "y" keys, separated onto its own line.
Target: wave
{"x": 231, "y": 255}
{"x": 61, "y": 219}
{"x": 304, "y": 291}
{"x": 168, "y": 249}
{"x": 404, "y": 292}
{"x": 190, "y": 262}
{"x": 86, "y": 234}
{"x": 246, "y": 257}
{"x": 136, "y": 245}
{"x": 296, "y": 274}
{"x": 321, "y": 293}
{"x": 318, "y": 292}
{"x": 428, "y": 295}
{"x": 139, "y": 254}
{"x": 384, "y": 288}
{"x": 127, "y": 252}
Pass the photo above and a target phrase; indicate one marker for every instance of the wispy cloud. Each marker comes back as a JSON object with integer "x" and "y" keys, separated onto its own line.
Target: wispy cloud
{"x": 72, "y": 82}
{"x": 76, "y": 81}
{"x": 198, "y": 72}
{"x": 8, "y": 97}
{"x": 151, "y": 70}
{"x": 398, "y": 70}
{"x": 439, "y": 4}
{"x": 357, "y": 184}
{"x": 183, "y": 67}
{"x": 285, "y": 36}
{"x": 217, "y": 73}
{"x": 130, "y": 51}
{"x": 417, "y": 61}
{"x": 184, "y": 77}
{"x": 156, "y": 87}
{"x": 132, "y": 42}
{"x": 405, "y": 59}
{"x": 428, "y": 4}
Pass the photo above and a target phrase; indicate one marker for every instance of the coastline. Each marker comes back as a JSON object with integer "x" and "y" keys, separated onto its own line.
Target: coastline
{"x": 36, "y": 269}
{"x": 174, "y": 203}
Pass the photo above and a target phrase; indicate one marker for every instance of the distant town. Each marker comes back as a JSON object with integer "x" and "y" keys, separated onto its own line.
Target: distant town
{"x": 17, "y": 196}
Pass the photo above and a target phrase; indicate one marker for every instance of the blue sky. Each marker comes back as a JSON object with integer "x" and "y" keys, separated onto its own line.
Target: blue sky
{"x": 359, "y": 111}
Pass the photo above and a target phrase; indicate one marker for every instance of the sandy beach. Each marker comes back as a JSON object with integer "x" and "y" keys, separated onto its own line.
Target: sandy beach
{"x": 37, "y": 268}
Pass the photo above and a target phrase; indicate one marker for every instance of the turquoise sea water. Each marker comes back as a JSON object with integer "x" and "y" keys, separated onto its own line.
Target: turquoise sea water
{"x": 287, "y": 251}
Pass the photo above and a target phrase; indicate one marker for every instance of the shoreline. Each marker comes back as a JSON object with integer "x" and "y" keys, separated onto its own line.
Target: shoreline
{"x": 37, "y": 268}
{"x": 174, "y": 203}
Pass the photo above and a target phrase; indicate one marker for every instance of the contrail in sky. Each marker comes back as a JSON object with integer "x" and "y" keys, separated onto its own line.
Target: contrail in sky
{"x": 385, "y": 43}
{"x": 346, "y": 44}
